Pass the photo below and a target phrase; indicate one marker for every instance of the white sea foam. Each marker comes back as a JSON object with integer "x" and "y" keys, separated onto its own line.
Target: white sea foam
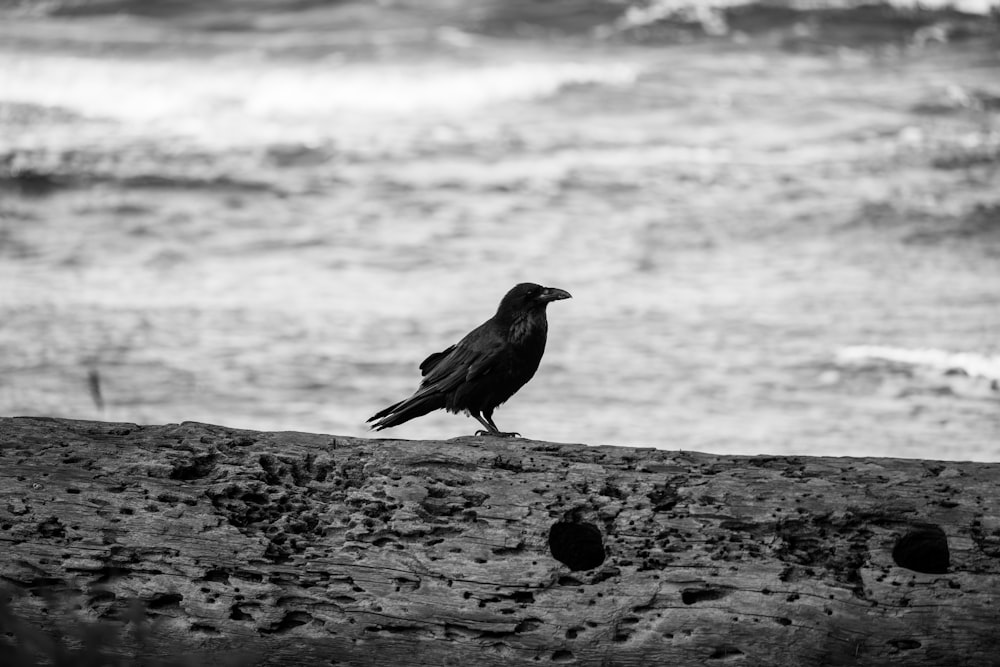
{"x": 226, "y": 99}
{"x": 656, "y": 10}
{"x": 983, "y": 7}
{"x": 970, "y": 363}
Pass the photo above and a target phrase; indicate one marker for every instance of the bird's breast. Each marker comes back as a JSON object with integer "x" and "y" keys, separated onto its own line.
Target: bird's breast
{"x": 529, "y": 331}
{"x": 527, "y": 337}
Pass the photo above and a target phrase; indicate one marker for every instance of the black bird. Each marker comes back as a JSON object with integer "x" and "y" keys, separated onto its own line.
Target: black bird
{"x": 486, "y": 367}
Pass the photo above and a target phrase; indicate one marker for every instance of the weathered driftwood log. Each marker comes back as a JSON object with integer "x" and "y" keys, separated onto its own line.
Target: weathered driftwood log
{"x": 292, "y": 548}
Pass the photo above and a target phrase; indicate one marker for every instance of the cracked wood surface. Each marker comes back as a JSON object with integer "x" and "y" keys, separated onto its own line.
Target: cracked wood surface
{"x": 295, "y": 548}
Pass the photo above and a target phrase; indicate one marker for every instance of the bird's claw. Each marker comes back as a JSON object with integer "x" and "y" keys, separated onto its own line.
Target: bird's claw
{"x": 499, "y": 434}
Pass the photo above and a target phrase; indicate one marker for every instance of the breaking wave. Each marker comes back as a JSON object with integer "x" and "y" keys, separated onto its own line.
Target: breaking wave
{"x": 964, "y": 363}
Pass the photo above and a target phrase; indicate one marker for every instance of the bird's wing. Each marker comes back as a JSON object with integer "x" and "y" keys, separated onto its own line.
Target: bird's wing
{"x": 473, "y": 356}
{"x": 428, "y": 364}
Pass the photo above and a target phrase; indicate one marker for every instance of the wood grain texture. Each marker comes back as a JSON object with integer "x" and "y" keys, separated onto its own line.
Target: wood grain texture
{"x": 294, "y": 548}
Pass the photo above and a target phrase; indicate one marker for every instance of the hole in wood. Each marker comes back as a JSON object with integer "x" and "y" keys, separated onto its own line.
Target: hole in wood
{"x": 923, "y": 549}
{"x": 577, "y": 545}
{"x": 162, "y": 600}
{"x": 696, "y": 595}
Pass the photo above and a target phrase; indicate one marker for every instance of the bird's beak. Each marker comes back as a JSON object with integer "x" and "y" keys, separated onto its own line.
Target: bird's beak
{"x": 553, "y": 294}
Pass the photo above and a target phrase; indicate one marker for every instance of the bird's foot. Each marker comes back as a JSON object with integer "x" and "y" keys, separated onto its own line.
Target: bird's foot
{"x": 499, "y": 434}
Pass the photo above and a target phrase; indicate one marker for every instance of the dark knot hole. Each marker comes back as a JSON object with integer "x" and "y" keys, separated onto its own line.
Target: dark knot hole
{"x": 923, "y": 549}
{"x": 577, "y": 545}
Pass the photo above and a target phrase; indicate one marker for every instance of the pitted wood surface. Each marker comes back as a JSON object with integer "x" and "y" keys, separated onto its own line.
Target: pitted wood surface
{"x": 294, "y": 548}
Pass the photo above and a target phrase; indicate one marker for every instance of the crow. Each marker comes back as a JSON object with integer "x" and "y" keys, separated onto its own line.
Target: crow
{"x": 486, "y": 367}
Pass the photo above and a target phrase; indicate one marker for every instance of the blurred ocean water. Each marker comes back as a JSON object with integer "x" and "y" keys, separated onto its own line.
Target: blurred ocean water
{"x": 276, "y": 243}
{"x": 252, "y": 101}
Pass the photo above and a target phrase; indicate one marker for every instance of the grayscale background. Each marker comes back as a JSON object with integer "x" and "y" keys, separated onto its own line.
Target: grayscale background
{"x": 780, "y": 221}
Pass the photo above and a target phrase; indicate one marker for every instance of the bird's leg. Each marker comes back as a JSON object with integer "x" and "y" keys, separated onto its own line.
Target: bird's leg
{"x": 488, "y": 415}
{"x": 490, "y": 429}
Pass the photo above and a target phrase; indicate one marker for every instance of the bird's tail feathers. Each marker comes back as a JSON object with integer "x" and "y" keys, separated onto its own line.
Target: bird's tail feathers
{"x": 415, "y": 406}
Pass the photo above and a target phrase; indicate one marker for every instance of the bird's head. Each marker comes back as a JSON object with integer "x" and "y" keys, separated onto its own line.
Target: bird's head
{"x": 529, "y": 296}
